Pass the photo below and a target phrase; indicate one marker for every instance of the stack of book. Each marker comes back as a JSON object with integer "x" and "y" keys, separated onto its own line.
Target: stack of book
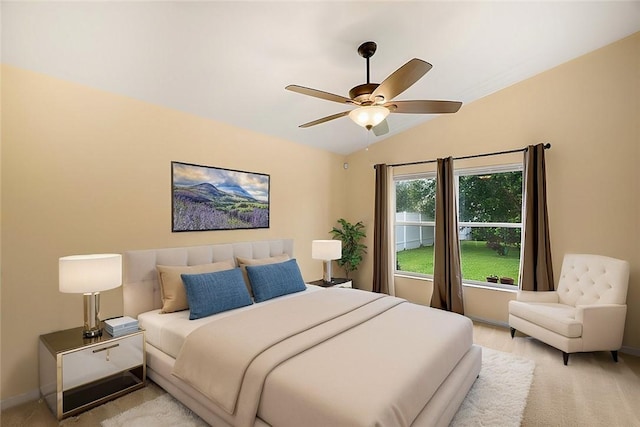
{"x": 119, "y": 326}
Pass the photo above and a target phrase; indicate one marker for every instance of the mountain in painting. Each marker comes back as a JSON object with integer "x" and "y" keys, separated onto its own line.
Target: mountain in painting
{"x": 205, "y": 206}
{"x": 236, "y": 190}
{"x": 204, "y": 192}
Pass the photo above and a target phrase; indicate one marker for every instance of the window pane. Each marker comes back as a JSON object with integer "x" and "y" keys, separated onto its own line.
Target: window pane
{"x": 414, "y": 248}
{"x": 417, "y": 196}
{"x": 493, "y": 197}
{"x": 489, "y": 251}
{"x": 415, "y": 203}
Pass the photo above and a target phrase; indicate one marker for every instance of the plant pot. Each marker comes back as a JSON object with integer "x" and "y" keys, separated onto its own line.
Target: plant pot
{"x": 506, "y": 280}
{"x": 492, "y": 279}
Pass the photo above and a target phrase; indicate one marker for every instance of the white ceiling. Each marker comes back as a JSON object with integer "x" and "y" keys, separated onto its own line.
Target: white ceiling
{"x": 230, "y": 61}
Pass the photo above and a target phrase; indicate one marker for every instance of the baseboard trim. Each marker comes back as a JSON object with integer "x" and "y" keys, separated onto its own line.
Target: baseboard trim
{"x": 12, "y": 401}
{"x": 630, "y": 350}
{"x": 488, "y": 321}
{"x": 633, "y": 351}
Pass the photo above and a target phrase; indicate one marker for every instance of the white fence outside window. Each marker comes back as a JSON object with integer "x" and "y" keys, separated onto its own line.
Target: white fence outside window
{"x": 413, "y": 230}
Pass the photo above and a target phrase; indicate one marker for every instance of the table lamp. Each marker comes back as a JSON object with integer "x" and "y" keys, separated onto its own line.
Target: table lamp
{"x": 326, "y": 250}
{"x": 88, "y": 275}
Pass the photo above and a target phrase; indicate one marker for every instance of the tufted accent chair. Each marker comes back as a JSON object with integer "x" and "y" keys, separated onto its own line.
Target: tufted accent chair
{"x": 587, "y": 311}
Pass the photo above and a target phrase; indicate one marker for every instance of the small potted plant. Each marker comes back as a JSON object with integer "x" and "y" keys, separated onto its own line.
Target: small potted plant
{"x": 492, "y": 279}
{"x": 506, "y": 280}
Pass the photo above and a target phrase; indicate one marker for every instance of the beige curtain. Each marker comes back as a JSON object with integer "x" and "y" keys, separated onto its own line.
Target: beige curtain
{"x": 447, "y": 275}
{"x": 536, "y": 269}
{"x": 383, "y": 231}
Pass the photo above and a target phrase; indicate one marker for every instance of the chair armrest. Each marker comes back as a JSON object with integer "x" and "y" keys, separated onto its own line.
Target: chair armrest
{"x": 602, "y": 325}
{"x": 531, "y": 296}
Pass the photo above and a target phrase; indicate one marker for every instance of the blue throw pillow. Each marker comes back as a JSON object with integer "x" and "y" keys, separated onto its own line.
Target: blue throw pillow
{"x": 274, "y": 280}
{"x": 211, "y": 293}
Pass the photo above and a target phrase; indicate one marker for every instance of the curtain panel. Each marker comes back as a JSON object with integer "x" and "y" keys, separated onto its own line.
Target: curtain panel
{"x": 447, "y": 275}
{"x": 383, "y": 231}
{"x": 536, "y": 271}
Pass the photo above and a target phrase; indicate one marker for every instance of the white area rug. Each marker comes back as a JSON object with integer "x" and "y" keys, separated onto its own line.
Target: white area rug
{"x": 163, "y": 411}
{"x": 497, "y": 398}
{"x": 499, "y": 395}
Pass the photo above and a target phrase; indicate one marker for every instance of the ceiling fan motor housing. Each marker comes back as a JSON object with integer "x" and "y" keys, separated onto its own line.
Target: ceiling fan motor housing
{"x": 362, "y": 92}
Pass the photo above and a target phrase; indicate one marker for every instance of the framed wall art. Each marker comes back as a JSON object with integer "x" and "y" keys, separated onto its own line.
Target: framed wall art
{"x": 210, "y": 198}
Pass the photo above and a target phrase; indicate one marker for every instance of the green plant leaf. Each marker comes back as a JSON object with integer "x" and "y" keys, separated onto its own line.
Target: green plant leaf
{"x": 352, "y": 249}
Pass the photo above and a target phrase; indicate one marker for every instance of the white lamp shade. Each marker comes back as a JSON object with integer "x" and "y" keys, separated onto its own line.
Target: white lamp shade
{"x": 81, "y": 274}
{"x": 326, "y": 249}
{"x": 369, "y": 116}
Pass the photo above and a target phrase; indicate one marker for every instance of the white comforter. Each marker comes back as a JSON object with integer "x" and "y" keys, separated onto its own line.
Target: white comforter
{"x": 340, "y": 357}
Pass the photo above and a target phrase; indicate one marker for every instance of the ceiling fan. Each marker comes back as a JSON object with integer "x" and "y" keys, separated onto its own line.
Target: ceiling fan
{"x": 375, "y": 101}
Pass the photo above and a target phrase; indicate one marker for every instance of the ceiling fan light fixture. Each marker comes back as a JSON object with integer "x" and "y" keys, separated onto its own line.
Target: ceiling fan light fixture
{"x": 369, "y": 116}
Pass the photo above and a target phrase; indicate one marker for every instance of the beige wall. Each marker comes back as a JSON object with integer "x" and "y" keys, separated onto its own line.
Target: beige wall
{"x": 589, "y": 110}
{"x": 84, "y": 171}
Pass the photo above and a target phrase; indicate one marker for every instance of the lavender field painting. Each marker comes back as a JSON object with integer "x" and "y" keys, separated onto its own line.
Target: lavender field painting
{"x": 208, "y": 198}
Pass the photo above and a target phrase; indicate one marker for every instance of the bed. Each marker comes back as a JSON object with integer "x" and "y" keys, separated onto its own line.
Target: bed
{"x": 314, "y": 357}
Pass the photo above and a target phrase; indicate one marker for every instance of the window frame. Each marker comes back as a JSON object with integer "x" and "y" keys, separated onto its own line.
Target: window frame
{"x": 482, "y": 170}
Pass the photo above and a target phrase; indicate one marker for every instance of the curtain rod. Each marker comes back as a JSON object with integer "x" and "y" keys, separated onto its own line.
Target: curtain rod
{"x": 546, "y": 147}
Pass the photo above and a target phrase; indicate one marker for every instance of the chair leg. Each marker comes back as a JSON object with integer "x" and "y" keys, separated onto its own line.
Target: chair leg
{"x": 513, "y": 332}
{"x": 614, "y": 353}
{"x": 565, "y": 358}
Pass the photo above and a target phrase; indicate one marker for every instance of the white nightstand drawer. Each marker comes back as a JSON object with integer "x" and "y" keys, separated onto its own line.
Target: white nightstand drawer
{"x": 101, "y": 360}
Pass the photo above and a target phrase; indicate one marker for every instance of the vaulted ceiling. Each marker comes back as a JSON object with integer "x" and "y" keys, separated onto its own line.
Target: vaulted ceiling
{"x": 230, "y": 61}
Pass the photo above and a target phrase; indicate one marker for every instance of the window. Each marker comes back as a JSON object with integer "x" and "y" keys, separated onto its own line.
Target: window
{"x": 489, "y": 216}
{"x": 415, "y": 223}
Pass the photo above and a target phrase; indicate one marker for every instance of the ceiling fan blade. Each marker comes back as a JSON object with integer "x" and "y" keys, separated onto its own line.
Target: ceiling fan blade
{"x": 400, "y": 80}
{"x": 325, "y": 119}
{"x": 381, "y": 129}
{"x": 424, "y": 107}
{"x": 319, "y": 94}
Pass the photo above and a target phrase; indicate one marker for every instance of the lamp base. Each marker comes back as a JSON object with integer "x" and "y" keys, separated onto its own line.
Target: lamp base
{"x": 326, "y": 271}
{"x": 92, "y": 327}
{"x": 92, "y": 333}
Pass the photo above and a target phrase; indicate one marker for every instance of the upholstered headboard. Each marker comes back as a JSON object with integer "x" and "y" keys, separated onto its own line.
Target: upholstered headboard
{"x": 140, "y": 287}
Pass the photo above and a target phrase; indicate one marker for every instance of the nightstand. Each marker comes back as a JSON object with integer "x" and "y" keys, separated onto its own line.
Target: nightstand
{"x": 335, "y": 283}
{"x": 78, "y": 373}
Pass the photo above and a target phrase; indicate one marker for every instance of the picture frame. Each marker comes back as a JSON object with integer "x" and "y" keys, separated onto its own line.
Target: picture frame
{"x": 207, "y": 198}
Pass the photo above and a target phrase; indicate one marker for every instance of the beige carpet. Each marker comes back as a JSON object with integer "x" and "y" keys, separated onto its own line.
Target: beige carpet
{"x": 591, "y": 391}
{"x": 497, "y": 398}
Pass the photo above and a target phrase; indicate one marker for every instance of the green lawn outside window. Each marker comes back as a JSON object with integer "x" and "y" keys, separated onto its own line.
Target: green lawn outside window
{"x": 478, "y": 261}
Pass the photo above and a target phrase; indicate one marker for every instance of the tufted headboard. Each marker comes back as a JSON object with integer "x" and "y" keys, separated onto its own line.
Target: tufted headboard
{"x": 140, "y": 288}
